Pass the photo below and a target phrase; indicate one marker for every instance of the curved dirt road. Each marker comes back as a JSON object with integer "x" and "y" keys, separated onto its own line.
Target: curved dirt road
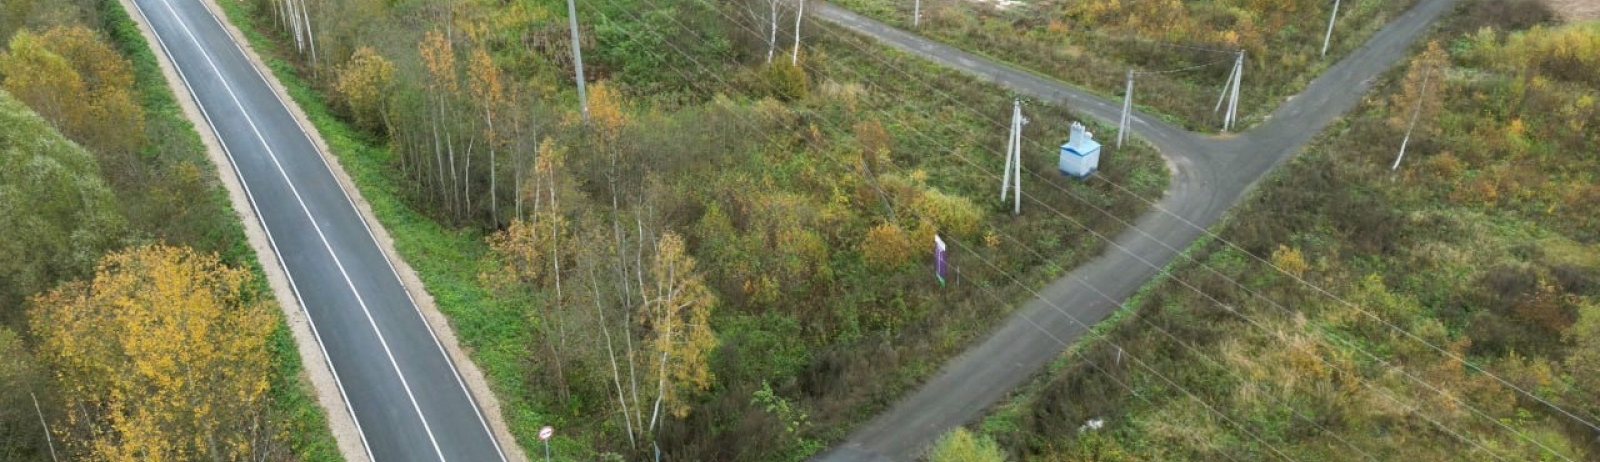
{"x": 1211, "y": 174}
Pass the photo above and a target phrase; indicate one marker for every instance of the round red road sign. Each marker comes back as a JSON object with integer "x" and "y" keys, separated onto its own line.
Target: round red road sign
{"x": 546, "y": 432}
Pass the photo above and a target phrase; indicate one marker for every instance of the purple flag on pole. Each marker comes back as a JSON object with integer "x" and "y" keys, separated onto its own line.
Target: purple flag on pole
{"x": 938, "y": 258}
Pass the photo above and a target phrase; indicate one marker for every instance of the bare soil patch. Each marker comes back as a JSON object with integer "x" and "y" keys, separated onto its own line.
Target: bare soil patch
{"x": 1576, "y": 10}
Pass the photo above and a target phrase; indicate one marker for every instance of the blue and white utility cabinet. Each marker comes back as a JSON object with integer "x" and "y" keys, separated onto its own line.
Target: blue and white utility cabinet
{"x": 1081, "y": 155}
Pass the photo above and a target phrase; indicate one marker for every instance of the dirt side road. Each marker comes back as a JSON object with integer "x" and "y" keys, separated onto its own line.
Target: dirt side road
{"x": 1210, "y": 175}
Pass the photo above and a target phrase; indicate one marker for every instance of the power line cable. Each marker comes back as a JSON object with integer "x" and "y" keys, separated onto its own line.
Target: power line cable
{"x": 1036, "y": 200}
{"x": 1323, "y": 291}
{"x": 1157, "y": 373}
{"x": 1209, "y": 359}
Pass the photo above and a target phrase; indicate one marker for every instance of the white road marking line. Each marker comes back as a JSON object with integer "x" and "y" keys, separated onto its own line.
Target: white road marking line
{"x": 234, "y": 164}
{"x": 392, "y": 269}
{"x": 312, "y": 218}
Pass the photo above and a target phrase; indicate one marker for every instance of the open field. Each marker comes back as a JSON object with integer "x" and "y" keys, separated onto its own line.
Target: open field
{"x": 1093, "y": 44}
{"x": 1353, "y": 312}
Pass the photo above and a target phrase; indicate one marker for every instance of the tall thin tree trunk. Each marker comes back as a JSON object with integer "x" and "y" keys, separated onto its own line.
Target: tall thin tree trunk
{"x": 494, "y": 211}
{"x": 616, "y": 374}
{"x": 466, "y": 179}
{"x": 772, "y": 35}
{"x": 794, "y": 59}
{"x": 439, "y": 185}
{"x": 311, "y": 40}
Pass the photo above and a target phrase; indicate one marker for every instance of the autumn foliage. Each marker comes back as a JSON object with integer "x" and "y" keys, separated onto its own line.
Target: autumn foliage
{"x": 160, "y": 357}
{"x": 77, "y": 82}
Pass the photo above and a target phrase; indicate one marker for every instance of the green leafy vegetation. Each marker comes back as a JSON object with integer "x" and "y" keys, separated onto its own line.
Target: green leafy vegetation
{"x": 139, "y": 178}
{"x": 805, "y": 198}
{"x": 1094, "y": 43}
{"x": 961, "y": 445}
{"x": 1440, "y": 311}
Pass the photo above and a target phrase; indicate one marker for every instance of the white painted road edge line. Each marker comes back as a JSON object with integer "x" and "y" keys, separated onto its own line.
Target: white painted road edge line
{"x": 312, "y": 218}
{"x": 476, "y": 409}
{"x": 233, "y": 163}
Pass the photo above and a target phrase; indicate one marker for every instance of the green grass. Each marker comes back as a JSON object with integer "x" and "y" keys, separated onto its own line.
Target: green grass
{"x": 1489, "y": 258}
{"x": 927, "y": 327}
{"x": 1040, "y": 37}
{"x": 492, "y": 329}
{"x": 306, "y": 428}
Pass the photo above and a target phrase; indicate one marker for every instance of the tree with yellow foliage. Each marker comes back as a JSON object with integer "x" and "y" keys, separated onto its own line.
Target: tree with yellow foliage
{"x": 364, "y": 85}
{"x": 1421, "y": 90}
{"x": 887, "y": 246}
{"x": 490, "y": 93}
{"x": 161, "y": 357}
{"x": 439, "y": 57}
{"x": 76, "y": 81}
{"x": 677, "y": 318}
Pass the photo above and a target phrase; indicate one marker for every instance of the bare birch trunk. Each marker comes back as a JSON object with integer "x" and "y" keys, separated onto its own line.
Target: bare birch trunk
{"x": 616, "y": 375}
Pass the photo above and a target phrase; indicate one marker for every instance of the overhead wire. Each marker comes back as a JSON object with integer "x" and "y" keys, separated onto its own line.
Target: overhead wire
{"x": 1189, "y": 347}
{"x": 1316, "y": 288}
{"x": 1457, "y": 400}
{"x": 1036, "y": 200}
{"x": 1057, "y": 339}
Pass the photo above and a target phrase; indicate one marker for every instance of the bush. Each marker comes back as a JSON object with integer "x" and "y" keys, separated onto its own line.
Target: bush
{"x": 886, "y": 247}
{"x": 962, "y": 446}
{"x": 785, "y": 82}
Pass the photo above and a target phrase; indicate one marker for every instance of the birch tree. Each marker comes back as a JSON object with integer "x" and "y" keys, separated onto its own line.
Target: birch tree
{"x": 488, "y": 90}
{"x": 677, "y": 319}
{"x": 438, "y": 56}
{"x": 766, "y": 22}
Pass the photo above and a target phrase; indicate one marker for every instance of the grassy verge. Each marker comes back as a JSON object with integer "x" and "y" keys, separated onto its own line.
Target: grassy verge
{"x": 492, "y": 329}
{"x": 941, "y": 121}
{"x": 293, "y": 402}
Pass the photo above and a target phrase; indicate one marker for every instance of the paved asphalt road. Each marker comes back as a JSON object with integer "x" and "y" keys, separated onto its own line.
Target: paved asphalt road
{"x": 402, "y": 389}
{"x": 1211, "y": 175}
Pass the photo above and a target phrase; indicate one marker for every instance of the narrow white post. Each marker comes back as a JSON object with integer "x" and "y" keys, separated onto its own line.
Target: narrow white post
{"x": 577, "y": 59}
{"x": 794, "y": 60}
{"x": 1227, "y": 89}
{"x": 1127, "y": 107}
{"x": 1413, "y": 125}
{"x": 916, "y": 13}
{"x": 1016, "y": 154}
{"x": 1227, "y": 92}
{"x": 1238, "y": 81}
{"x": 1011, "y": 139}
{"x": 1329, "y": 36}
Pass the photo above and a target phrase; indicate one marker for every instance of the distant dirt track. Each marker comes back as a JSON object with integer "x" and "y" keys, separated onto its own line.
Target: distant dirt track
{"x": 1576, "y": 10}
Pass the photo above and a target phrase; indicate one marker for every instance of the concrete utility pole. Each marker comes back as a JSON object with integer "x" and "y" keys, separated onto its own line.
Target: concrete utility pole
{"x": 1329, "y": 36}
{"x": 916, "y": 13}
{"x": 1238, "y": 81}
{"x": 1127, "y": 108}
{"x": 1413, "y": 125}
{"x": 1230, "y": 94}
{"x": 1013, "y": 176}
{"x": 577, "y": 59}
